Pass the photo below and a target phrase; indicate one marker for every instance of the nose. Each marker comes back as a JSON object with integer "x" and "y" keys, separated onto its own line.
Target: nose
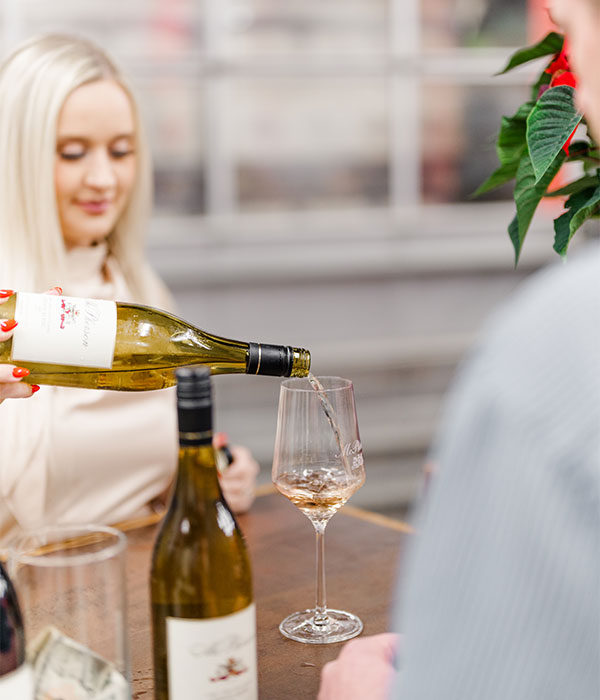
{"x": 100, "y": 173}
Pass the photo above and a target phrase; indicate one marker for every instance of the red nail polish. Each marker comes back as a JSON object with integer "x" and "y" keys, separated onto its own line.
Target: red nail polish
{"x": 58, "y": 289}
{"x": 4, "y": 293}
{"x": 34, "y": 388}
{"x": 19, "y": 372}
{"x": 8, "y": 325}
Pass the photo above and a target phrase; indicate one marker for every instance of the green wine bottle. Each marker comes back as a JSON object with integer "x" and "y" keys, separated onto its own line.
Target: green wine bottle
{"x": 98, "y": 344}
{"x": 203, "y": 616}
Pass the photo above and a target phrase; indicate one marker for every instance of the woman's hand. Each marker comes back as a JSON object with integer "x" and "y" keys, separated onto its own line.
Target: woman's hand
{"x": 11, "y": 386}
{"x": 238, "y": 481}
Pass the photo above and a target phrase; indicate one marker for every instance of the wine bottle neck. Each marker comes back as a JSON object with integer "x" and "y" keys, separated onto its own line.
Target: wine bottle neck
{"x": 196, "y": 472}
{"x": 197, "y": 479}
{"x": 195, "y": 437}
{"x": 197, "y": 457}
{"x": 277, "y": 360}
{"x": 195, "y": 424}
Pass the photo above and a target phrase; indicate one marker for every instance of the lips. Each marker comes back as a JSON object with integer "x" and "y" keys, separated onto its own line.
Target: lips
{"x": 95, "y": 206}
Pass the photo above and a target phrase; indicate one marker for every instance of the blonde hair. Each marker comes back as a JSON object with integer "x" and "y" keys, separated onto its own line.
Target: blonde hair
{"x": 35, "y": 81}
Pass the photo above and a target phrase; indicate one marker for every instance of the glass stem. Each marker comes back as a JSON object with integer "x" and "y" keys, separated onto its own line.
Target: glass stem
{"x": 320, "y": 619}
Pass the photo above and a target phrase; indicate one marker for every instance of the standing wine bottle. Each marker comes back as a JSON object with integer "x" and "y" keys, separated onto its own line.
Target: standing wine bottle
{"x": 16, "y": 678}
{"x": 203, "y": 617}
{"x": 98, "y": 344}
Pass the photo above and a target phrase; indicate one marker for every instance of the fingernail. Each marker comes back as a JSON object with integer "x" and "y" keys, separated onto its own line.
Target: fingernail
{"x": 6, "y": 293}
{"x": 34, "y": 388}
{"x": 8, "y": 325}
{"x": 20, "y": 372}
{"x": 58, "y": 289}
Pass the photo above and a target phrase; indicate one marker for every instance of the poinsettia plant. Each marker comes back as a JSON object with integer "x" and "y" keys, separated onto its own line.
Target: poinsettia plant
{"x": 535, "y": 143}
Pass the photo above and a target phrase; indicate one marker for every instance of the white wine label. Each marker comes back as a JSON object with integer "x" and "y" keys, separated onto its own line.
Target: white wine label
{"x": 64, "y": 330}
{"x": 18, "y": 685}
{"x": 213, "y": 659}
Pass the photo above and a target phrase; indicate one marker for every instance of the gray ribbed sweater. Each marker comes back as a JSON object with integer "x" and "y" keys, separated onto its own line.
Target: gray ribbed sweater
{"x": 501, "y": 596}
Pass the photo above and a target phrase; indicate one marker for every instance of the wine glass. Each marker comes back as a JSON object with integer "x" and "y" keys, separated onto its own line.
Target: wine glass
{"x": 318, "y": 464}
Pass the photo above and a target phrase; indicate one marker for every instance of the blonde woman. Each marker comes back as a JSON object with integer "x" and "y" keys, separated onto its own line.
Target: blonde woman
{"x": 75, "y": 197}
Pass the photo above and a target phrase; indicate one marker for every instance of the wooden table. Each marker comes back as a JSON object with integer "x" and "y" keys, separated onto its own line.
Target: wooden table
{"x": 361, "y": 555}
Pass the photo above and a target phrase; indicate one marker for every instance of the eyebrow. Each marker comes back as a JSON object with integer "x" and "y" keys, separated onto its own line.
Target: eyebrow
{"x": 85, "y": 139}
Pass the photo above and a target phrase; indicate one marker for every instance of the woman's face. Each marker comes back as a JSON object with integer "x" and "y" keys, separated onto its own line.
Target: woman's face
{"x": 580, "y": 20}
{"x": 95, "y": 166}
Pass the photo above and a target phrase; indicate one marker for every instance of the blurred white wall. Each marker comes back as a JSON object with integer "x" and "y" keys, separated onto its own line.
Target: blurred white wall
{"x": 314, "y": 163}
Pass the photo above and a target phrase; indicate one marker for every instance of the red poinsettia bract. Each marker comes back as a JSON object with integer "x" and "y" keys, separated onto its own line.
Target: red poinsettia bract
{"x": 562, "y": 74}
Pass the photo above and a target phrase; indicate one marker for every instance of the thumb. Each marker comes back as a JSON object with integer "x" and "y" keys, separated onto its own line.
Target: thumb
{"x": 220, "y": 440}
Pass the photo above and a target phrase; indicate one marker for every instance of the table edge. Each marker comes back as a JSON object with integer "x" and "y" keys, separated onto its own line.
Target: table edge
{"x": 267, "y": 490}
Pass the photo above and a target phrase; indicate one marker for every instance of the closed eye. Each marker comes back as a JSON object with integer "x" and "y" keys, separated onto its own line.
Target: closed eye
{"x": 71, "y": 156}
{"x": 121, "y": 153}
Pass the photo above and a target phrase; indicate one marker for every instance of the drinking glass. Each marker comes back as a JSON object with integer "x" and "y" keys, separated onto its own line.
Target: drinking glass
{"x": 318, "y": 464}
{"x": 71, "y": 586}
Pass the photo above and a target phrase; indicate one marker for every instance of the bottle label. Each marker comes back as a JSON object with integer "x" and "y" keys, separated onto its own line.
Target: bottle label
{"x": 213, "y": 659}
{"x": 17, "y": 685}
{"x": 64, "y": 330}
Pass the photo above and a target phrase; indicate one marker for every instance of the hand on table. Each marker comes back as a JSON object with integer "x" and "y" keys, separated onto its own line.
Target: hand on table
{"x": 238, "y": 481}
{"x": 11, "y": 386}
{"x": 364, "y": 669}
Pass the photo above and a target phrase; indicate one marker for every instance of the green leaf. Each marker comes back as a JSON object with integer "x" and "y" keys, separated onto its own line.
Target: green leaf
{"x": 579, "y": 149}
{"x": 512, "y": 139}
{"x": 575, "y": 186}
{"x": 517, "y": 241}
{"x": 581, "y": 206}
{"x": 499, "y": 177}
{"x": 593, "y": 151}
{"x": 550, "y": 44}
{"x": 544, "y": 79}
{"x": 510, "y": 146}
{"x": 549, "y": 125}
{"x": 586, "y": 211}
{"x": 527, "y": 195}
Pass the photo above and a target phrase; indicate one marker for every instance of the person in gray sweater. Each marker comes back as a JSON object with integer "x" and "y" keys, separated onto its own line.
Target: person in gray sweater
{"x": 500, "y": 593}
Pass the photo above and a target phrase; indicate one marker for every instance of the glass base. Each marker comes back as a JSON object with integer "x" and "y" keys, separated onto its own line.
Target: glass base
{"x": 339, "y": 627}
